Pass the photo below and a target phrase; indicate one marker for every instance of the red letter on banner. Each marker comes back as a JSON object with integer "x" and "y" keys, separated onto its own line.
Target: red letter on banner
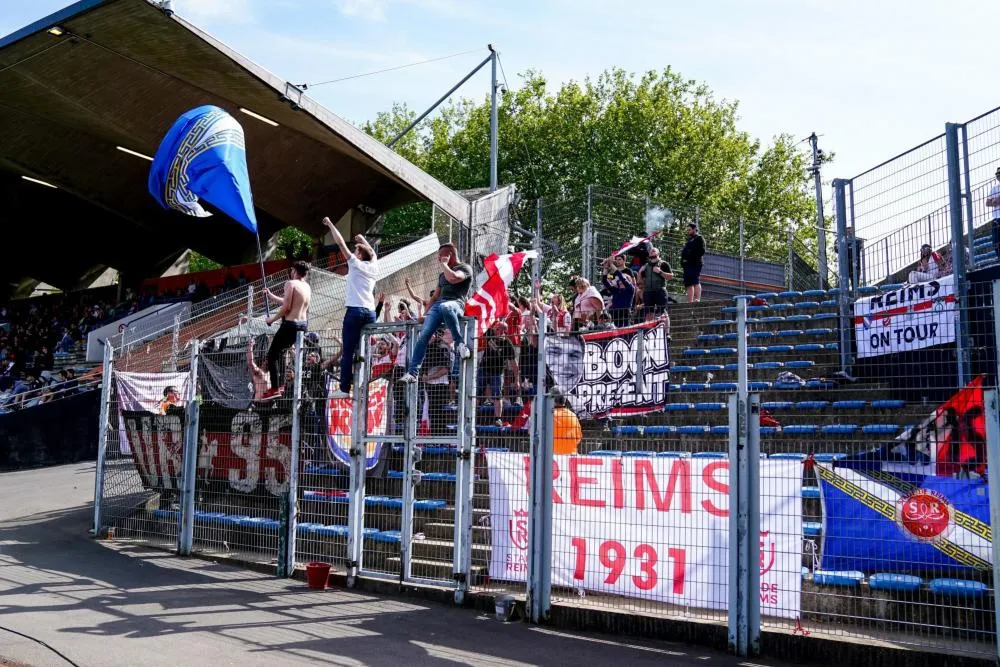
{"x": 679, "y": 471}
{"x": 576, "y": 481}
{"x": 708, "y": 476}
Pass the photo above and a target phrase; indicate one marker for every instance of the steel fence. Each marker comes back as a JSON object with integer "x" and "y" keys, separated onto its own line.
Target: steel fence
{"x": 792, "y": 454}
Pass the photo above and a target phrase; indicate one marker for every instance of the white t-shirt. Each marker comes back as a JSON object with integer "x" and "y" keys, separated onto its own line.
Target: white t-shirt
{"x": 582, "y": 307}
{"x": 361, "y": 278}
{"x": 995, "y": 192}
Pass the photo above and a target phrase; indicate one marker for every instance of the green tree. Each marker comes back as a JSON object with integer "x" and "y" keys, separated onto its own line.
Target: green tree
{"x": 293, "y": 244}
{"x": 198, "y": 262}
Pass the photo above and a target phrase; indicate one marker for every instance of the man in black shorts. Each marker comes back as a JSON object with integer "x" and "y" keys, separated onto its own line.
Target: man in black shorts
{"x": 653, "y": 277}
{"x": 692, "y": 259}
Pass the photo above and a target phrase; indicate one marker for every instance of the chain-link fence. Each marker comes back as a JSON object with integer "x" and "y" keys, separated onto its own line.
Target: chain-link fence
{"x": 777, "y": 451}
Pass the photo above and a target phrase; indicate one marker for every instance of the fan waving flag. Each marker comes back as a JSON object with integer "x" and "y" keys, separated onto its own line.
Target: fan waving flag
{"x": 490, "y": 302}
{"x": 203, "y": 157}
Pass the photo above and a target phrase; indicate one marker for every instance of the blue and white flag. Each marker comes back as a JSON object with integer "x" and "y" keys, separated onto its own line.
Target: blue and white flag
{"x": 203, "y": 156}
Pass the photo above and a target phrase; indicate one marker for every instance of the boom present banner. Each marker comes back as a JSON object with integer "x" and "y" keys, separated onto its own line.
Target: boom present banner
{"x": 611, "y": 373}
{"x": 651, "y": 528}
{"x": 911, "y": 318}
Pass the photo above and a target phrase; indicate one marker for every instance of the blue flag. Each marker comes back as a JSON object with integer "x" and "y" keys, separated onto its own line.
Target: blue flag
{"x": 203, "y": 156}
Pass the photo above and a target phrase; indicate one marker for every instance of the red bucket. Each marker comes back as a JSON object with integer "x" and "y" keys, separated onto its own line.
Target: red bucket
{"x": 318, "y": 575}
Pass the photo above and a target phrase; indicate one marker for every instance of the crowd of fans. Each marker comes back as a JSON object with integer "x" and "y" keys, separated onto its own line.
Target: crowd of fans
{"x": 35, "y": 332}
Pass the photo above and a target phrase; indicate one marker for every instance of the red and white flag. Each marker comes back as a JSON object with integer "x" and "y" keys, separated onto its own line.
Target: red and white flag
{"x": 490, "y": 302}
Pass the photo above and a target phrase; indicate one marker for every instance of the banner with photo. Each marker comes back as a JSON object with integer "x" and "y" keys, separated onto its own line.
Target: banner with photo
{"x": 910, "y": 318}
{"x": 650, "y": 528}
{"x": 150, "y": 394}
{"x": 611, "y": 373}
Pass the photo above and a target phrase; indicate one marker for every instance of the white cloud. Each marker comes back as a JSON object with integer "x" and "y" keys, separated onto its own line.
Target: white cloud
{"x": 370, "y": 10}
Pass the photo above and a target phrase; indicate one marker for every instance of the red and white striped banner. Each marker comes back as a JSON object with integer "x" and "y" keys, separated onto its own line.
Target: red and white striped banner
{"x": 490, "y": 302}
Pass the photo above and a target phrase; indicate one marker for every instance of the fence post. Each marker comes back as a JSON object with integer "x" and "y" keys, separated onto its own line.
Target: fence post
{"x": 192, "y": 410}
{"x": 845, "y": 267}
{"x": 991, "y": 398}
{"x": 588, "y": 236}
{"x": 958, "y": 251}
{"x": 289, "y": 501}
{"x": 791, "y": 261}
{"x": 359, "y": 452}
{"x": 970, "y": 222}
{"x": 738, "y": 619}
{"x": 465, "y": 469}
{"x": 102, "y": 434}
{"x": 250, "y": 302}
{"x": 175, "y": 343}
{"x": 743, "y": 252}
{"x": 540, "y": 519}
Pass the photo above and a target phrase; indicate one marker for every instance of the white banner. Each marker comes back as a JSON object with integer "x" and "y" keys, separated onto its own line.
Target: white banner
{"x": 911, "y": 318}
{"x": 156, "y": 393}
{"x": 651, "y": 528}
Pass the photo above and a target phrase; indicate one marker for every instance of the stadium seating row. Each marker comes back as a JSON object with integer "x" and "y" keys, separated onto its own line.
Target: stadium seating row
{"x": 894, "y": 582}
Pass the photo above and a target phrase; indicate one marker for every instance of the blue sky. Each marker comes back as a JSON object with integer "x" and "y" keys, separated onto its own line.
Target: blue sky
{"x": 872, "y": 78}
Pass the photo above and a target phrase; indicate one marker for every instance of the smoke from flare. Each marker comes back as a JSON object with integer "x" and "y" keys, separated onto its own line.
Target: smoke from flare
{"x": 657, "y": 218}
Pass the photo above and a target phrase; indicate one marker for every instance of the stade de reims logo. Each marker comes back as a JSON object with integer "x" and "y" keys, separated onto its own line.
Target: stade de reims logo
{"x": 924, "y": 515}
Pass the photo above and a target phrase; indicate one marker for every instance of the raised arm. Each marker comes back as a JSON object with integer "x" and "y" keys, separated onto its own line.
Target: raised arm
{"x": 363, "y": 242}
{"x": 453, "y": 277}
{"x": 337, "y": 237}
{"x": 251, "y": 364}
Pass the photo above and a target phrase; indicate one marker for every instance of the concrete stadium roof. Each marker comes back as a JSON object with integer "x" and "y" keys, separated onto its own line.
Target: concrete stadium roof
{"x": 118, "y": 76}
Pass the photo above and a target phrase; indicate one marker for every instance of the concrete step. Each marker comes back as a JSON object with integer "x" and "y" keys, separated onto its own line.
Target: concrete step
{"x": 443, "y": 550}
{"x": 433, "y": 569}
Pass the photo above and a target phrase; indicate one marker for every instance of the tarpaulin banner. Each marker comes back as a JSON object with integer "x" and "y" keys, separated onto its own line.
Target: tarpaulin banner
{"x": 150, "y": 393}
{"x": 910, "y": 318}
{"x": 651, "y": 528}
{"x": 340, "y": 414}
{"x": 608, "y": 373}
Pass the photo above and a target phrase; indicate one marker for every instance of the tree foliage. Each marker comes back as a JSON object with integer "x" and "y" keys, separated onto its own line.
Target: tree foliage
{"x": 657, "y": 135}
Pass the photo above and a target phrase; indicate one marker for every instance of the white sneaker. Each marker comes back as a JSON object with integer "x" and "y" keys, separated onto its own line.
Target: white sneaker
{"x": 409, "y": 378}
{"x": 463, "y": 351}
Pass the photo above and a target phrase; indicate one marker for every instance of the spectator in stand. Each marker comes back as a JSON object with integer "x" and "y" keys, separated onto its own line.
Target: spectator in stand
{"x": 362, "y": 273}
{"x": 258, "y": 376}
{"x": 619, "y": 281}
{"x": 993, "y": 201}
{"x": 588, "y": 302}
{"x": 422, "y": 304}
{"x": 499, "y": 359}
{"x": 692, "y": 261}
{"x": 436, "y": 377}
{"x": 928, "y": 267}
{"x": 560, "y": 318}
{"x": 513, "y": 322}
{"x": 454, "y": 285}
{"x": 405, "y": 311}
{"x": 604, "y": 323}
{"x": 653, "y": 277}
{"x": 294, "y": 316}
{"x": 566, "y": 430}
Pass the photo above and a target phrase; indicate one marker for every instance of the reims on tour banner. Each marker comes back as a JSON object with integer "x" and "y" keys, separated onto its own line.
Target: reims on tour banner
{"x": 650, "y": 528}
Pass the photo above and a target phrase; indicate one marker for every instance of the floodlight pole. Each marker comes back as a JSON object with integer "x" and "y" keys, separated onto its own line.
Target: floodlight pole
{"x": 493, "y": 121}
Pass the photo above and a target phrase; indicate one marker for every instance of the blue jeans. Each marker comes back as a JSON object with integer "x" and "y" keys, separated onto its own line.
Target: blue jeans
{"x": 354, "y": 319}
{"x": 442, "y": 312}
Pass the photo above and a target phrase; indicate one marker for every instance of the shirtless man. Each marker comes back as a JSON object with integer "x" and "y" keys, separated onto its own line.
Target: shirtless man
{"x": 294, "y": 316}
{"x": 261, "y": 383}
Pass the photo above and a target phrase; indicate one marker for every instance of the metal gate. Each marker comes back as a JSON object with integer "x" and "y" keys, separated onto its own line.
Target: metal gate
{"x": 413, "y": 523}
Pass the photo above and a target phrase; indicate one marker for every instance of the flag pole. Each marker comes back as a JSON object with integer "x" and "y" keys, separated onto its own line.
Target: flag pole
{"x": 263, "y": 276}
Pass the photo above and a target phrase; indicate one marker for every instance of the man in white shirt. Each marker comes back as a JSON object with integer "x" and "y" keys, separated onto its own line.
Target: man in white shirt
{"x": 362, "y": 274}
{"x": 993, "y": 201}
{"x": 928, "y": 266}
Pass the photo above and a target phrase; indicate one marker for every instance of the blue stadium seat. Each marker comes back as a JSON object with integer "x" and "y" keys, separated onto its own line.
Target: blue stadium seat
{"x": 439, "y": 477}
{"x": 768, "y": 430}
{"x": 628, "y": 429}
{"x": 829, "y": 457}
{"x": 801, "y": 363}
{"x": 606, "y": 452}
{"x": 766, "y": 295}
{"x": 757, "y": 309}
{"x": 678, "y": 407}
{"x": 791, "y": 294}
{"x": 720, "y": 430}
{"x": 736, "y": 367}
{"x": 890, "y": 581}
{"x": 820, "y": 384}
{"x": 811, "y": 405}
{"x": 881, "y": 429}
{"x": 802, "y": 305}
{"x": 672, "y": 455}
{"x": 691, "y": 430}
{"x": 638, "y": 454}
{"x": 729, "y": 310}
{"x": 326, "y": 496}
{"x": 732, "y": 335}
{"x": 960, "y": 587}
{"x": 834, "y": 291}
{"x": 773, "y": 319}
{"x": 824, "y": 316}
{"x": 844, "y": 578}
{"x": 695, "y": 352}
{"x": 779, "y": 348}
{"x": 720, "y": 323}
{"x": 341, "y": 531}
{"x": 260, "y": 523}
{"x": 723, "y": 386}
{"x": 810, "y": 493}
{"x": 831, "y": 346}
{"x": 814, "y": 293}
{"x": 777, "y": 405}
{"x": 756, "y": 349}
{"x": 788, "y": 456}
{"x": 867, "y": 290}
{"x": 787, "y": 386}
{"x": 709, "y": 407}
{"x": 888, "y": 404}
{"x": 890, "y": 287}
{"x": 809, "y": 347}
{"x": 709, "y": 338}
{"x": 387, "y": 536}
{"x": 822, "y": 331}
{"x": 761, "y": 334}
{"x": 812, "y": 528}
{"x": 758, "y": 385}
{"x": 694, "y": 386}
{"x": 829, "y": 303}
{"x": 710, "y": 455}
{"x": 661, "y": 429}
{"x": 839, "y": 429}
{"x": 325, "y": 470}
{"x": 770, "y": 364}
{"x": 800, "y": 429}
{"x": 673, "y": 387}
{"x": 799, "y": 318}
{"x": 682, "y": 369}
{"x": 780, "y": 307}
{"x": 710, "y": 368}
{"x": 849, "y": 405}
{"x": 753, "y": 320}
{"x": 722, "y": 351}
{"x": 790, "y": 333}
